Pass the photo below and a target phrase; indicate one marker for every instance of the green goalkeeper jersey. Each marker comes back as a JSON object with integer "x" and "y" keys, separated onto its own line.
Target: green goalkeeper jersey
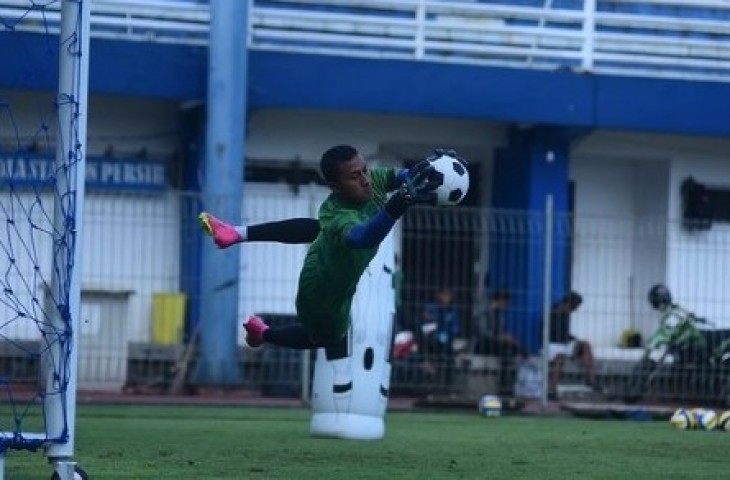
{"x": 331, "y": 269}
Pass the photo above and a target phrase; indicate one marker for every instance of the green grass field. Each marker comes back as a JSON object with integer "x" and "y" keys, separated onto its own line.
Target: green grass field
{"x": 118, "y": 442}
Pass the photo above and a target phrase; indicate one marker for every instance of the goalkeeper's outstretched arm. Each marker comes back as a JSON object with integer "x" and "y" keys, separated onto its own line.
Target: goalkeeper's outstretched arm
{"x": 416, "y": 187}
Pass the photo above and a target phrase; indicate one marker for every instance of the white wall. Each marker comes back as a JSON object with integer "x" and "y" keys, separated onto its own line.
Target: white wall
{"x": 304, "y": 134}
{"x": 651, "y": 192}
{"x": 627, "y": 188}
{"x": 602, "y": 248}
{"x": 132, "y": 242}
{"x": 127, "y": 124}
{"x": 25, "y": 264}
{"x": 698, "y": 263}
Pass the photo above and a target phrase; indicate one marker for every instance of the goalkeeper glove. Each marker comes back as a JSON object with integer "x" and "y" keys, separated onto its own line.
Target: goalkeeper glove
{"x": 440, "y": 152}
{"x": 418, "y": 187}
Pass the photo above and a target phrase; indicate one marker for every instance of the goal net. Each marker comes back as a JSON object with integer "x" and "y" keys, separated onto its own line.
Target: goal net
{"x": 42, "y": 164}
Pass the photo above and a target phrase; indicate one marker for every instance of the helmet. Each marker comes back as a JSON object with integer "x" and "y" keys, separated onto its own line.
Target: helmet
{"x": 660, "y": 297}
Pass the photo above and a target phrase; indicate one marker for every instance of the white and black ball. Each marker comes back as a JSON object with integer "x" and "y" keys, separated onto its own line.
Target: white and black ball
{"x": 452, "y": 178}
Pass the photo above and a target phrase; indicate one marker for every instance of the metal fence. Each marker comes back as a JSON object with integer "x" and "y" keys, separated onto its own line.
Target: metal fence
{"x": 497, "y": 270}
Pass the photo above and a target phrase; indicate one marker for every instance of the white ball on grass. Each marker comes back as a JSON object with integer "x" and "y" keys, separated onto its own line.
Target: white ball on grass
{"x": 683, "y": 419}
{"x": 707, "y": 419}
{"x": 723, "y": 421}
{"x": 490, "y": 406}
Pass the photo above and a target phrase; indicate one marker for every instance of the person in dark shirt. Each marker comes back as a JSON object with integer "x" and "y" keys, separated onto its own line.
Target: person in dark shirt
{"x": 440, "y": 326}
{"x": 490, "y": 334}
{"x": 564, "y": 345}
{"x": 441, "y": 320}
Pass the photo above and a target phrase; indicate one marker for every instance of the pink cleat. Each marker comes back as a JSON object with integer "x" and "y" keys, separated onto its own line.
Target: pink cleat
{"x": 255, "y": 328}
{"x": 224, "y": 235}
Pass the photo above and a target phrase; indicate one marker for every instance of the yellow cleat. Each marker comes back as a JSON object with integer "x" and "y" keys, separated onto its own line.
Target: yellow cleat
{"x": 204, "y": 220}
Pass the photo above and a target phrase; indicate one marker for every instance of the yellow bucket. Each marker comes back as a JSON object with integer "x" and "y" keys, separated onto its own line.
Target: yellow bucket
{"x": 168, "y": 318}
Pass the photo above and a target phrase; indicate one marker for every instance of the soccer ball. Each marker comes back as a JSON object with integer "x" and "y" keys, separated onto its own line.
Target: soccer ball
{"x": 490, "y": 406}
{"x": 452, "y": 178}
{"x": 683, "y": 419}
{"x": 723, "y": 422}
{"x": 706, "y": 419}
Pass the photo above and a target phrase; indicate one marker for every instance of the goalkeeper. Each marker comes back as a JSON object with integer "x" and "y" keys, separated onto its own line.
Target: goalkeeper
{"x": 353, "y": 221}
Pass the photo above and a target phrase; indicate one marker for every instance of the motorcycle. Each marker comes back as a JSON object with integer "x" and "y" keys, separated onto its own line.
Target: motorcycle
{"x": 684, "y": 350}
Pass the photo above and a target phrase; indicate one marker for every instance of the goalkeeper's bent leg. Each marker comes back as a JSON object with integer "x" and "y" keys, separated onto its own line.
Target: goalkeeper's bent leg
{"x": 294, "y": 336}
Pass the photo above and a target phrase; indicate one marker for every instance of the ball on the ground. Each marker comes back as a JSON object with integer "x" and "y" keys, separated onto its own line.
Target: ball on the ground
{"x": 723, "y": 421}
{"x": 490, "y": 406}
{"x": 698, "y": 413}
{"x": 706, "y": 419}
{"x": 452, "y": 178}
{"x": 683, "y": 419}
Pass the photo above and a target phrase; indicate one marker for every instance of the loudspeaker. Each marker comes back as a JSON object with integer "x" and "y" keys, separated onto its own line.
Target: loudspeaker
{"x": 697, "y": 205}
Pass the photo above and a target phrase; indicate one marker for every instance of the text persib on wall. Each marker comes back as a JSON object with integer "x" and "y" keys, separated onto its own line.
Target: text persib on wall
{"x": 37, "y": 171}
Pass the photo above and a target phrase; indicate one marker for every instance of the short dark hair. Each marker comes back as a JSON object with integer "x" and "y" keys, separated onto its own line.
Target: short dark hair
{"x": 502, "y": 295}
{"x": 333, "y": 158}
{"x": 574, "y": 299}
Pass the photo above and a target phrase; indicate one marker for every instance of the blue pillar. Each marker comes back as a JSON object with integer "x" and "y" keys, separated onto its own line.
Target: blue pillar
{"x": 222, "y": 186}
{"x": 532, "y": 166}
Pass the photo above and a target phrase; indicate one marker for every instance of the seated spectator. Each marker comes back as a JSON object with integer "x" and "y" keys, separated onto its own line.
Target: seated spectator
{"x": 440, "y": 325}
{"x": 490, "y": 335}
{"x": 564, "y": 345}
